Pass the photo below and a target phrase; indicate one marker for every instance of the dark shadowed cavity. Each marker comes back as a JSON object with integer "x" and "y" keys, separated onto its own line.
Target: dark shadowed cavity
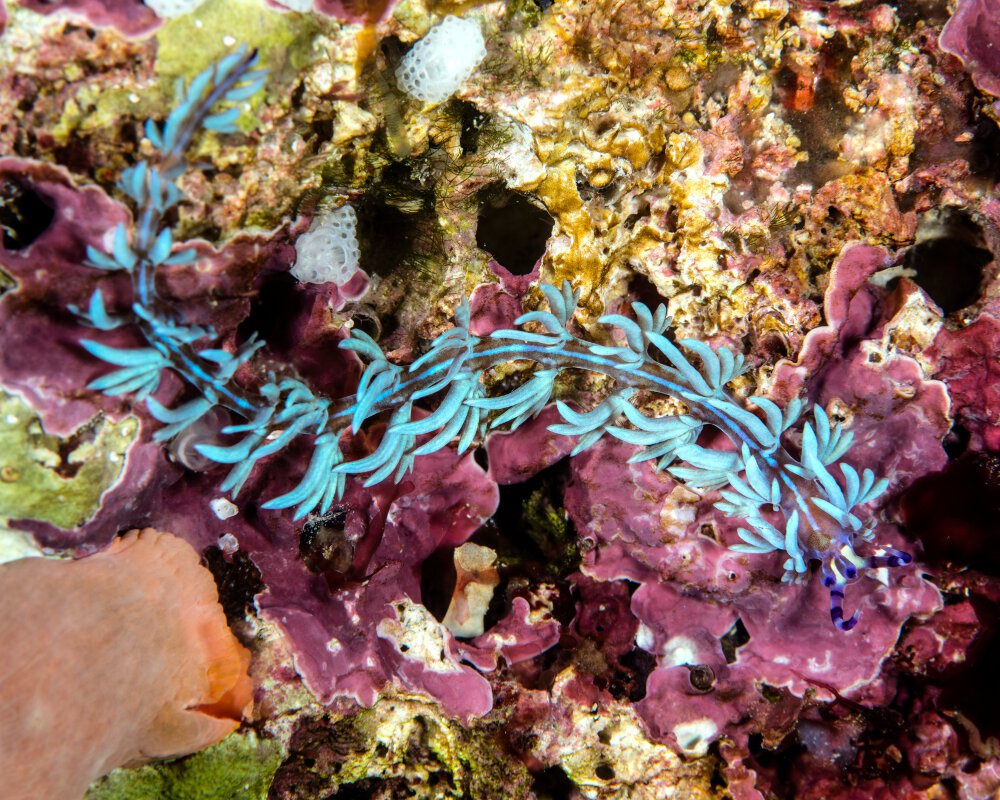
{"x": 733, "y": 639}
{"x": 24, "y": 214}
{"x": 513, "y": 227}
{"x": 948, "y": 258}
{"x": 553, "y": 784}
{"x": 237, "y": 580}
{"x": 954, "y": 513}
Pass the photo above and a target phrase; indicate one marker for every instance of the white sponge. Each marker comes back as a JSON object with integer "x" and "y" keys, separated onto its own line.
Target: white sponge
{"x": 169, "y": 9}
{"x": 437, "y": 66}
{"x": 328, "y": 252}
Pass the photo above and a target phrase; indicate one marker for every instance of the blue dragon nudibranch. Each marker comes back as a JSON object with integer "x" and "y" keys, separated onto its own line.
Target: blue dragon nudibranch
{"x": 791, "y": 498}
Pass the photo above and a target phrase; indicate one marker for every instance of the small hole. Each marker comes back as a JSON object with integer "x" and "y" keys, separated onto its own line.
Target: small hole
{"x": 512, "y": 228}
{"x": 949, "y": 258}
{"x": 733, "y": 639}
{"x": 24, "y": 215}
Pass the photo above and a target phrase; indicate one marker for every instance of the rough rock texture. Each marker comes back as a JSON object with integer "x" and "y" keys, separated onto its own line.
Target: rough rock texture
{"x": 812, "y": 184}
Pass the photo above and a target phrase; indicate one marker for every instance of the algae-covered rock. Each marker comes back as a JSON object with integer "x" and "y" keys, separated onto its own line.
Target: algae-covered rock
{"x": 190, "y": 43}
{"x": 401, "y": 744}
{"x": 57, "y": 479}
{"x": 242, "y": 765}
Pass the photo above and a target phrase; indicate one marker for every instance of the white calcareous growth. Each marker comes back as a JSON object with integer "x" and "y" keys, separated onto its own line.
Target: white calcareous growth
{"x": 328, "y": 252}
{"x": 170, "y": 9}
{"x": 437, "y": 66}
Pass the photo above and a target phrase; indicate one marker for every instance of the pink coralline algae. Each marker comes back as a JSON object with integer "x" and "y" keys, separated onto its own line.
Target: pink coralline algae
{"x": 845, "y": 365}
{"x": 973, "y": 34}
{"x": 965, "y": 363}
{"x": 385, "y": 535}
{"x": 131, "y": 17}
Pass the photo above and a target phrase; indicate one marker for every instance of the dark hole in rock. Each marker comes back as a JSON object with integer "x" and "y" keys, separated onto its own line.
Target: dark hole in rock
{"x": 24, "y": 214}
{"x": 325, "y": 548}
{"x": 773, "y": 344}
{"x": 605, "y": 772}
{"x": 472, "y": 121}
{"x": 437, "y": 581}
{"x": 324, "y": 130}
{"x": 295, "y": 101}
{"x": 702, "y": 677}
{"x": 733, "y": 639}
{"x": 392, "y": 49}
{"x": 954, "y": 513}
{"x": 544, "y": 5}
{"x": 957, "y": 441}
{"x": 409, "y": 184}
{"x": 707, "y": 529}
{"x": 552, "y": 784}
{"x": 278, "y": 302}
{"x": 971, "y": 689}
{"x": 481, "y": 457}
{"x": 642, "y": 665}
{"x": 237, "y": 580}
{"x": 531, "y": 522}
{"x": 948, "y": 258}
{"x": 348, "y": 163}
{"x": 86, "y": 433}
{"x": 641, "y": 212}
{"x": 393, "y": 232}
{"x": 644, "y": 290}
{"x": 780, "y": 761}
{"x": 907, "y": 201}
{"x": 984, "y": 149}
{"x": 512, "y": 228}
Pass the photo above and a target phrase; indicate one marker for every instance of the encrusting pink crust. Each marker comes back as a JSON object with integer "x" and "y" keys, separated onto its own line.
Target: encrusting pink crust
{"x": 119, "y": 658}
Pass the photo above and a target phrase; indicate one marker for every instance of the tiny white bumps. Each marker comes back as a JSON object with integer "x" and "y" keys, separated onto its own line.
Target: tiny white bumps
{"x": 437, "y": 65}
{"x": 328, "y": 252}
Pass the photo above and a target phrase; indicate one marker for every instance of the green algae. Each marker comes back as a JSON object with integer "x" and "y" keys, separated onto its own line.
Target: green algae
{"x": 57, "y": 479}
{"x": 98, "y": 108}
{"x": 192, "y": 42}
{"x": 241, "y": 765}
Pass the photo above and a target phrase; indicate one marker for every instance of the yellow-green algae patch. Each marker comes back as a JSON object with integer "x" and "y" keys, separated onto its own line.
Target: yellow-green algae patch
{"x": 191, "y": 42}
{"x": 240, "y": 766}
{"x": 57, "y": 479}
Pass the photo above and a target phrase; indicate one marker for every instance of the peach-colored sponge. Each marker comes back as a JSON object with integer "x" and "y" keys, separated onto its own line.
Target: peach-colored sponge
{"x": 115, "y": 659}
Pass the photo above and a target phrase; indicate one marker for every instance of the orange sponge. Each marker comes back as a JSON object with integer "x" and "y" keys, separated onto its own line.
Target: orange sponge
{"x": 115, "y": 659}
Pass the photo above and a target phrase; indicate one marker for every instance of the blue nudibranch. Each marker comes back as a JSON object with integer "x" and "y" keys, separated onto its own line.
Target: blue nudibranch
{"x": 761, "y": 481}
